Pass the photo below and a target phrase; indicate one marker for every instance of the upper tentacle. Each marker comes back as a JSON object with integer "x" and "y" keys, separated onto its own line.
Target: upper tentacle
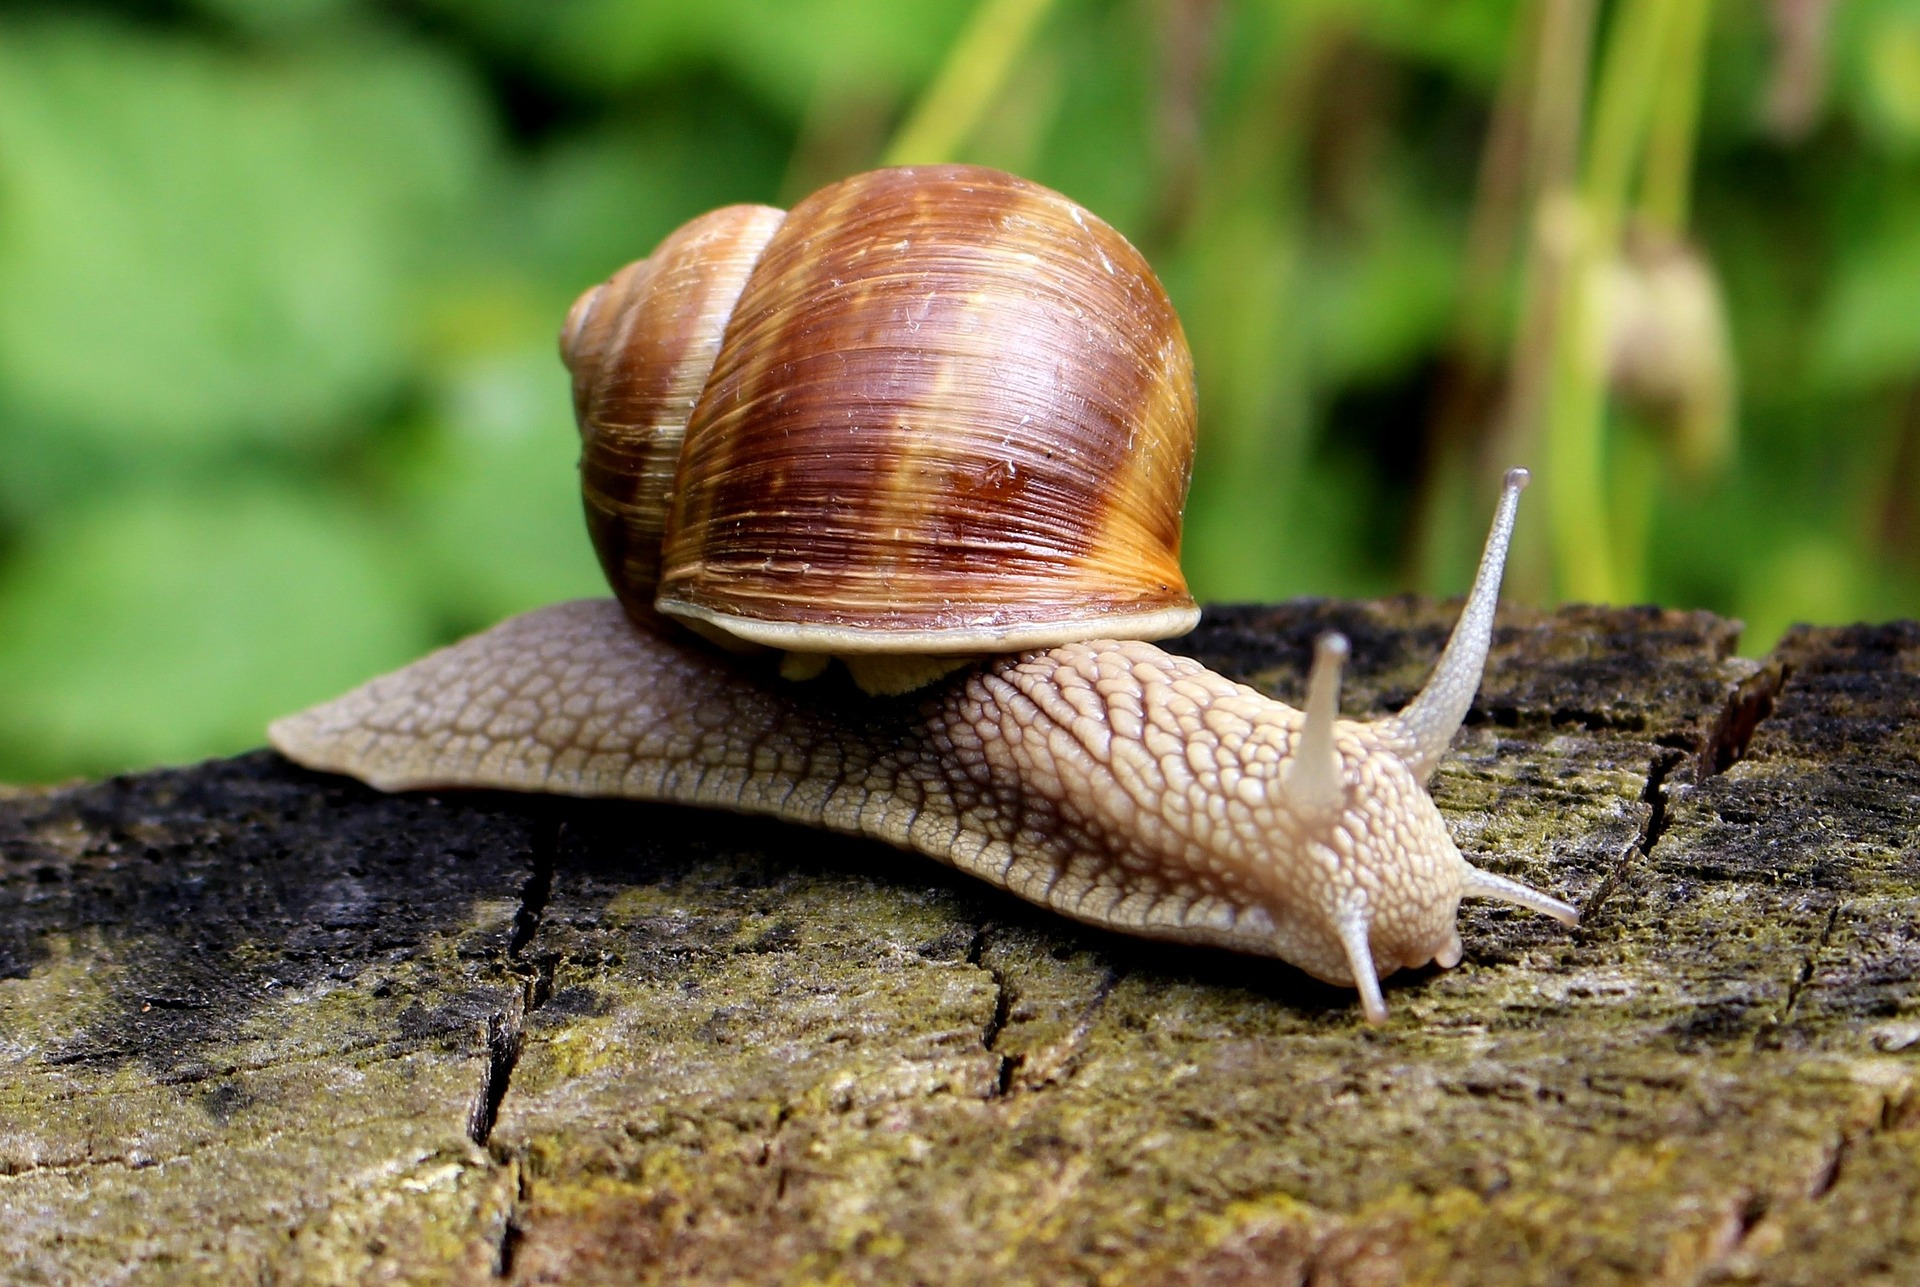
{"x": 1312, "y": 779}
{"x": 1426, "y": 727}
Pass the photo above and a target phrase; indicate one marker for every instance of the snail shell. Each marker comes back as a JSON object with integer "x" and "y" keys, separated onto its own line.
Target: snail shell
{"x": 933, "y": 410}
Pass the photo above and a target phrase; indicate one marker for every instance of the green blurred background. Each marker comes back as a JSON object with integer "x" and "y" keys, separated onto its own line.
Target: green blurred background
{"x": 280, "y": 279}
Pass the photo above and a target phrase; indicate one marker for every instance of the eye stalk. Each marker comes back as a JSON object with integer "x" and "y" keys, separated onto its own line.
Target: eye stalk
{"x": 1314, "y": 786}
{"x": 1426, "y": 727}
{"x": 1429, "y": 722}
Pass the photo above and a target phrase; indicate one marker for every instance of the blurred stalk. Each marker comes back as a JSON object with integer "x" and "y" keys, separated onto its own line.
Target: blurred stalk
{"x": 1889, "y": 482}
{"x": 1802, "y": 31}
{"x": 1500, "y": 192}
{"x": 1556, "y": 117}
{"x": 968, "y": 82}
{"x": 1698, "y": 441}
{"x": 1580, "y": 525}
{"x": 1183, "y": 39}
{"x": 1439, "y": 530}
{"x": 1560, "y": 94}
{"x": 1668, "y": 182}
{"x": 1635, "y": 466}
{"x": 1240, "y": 254}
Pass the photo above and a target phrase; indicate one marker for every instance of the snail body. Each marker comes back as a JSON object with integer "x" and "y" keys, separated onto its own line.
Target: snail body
{"x": 1096, "y": 775}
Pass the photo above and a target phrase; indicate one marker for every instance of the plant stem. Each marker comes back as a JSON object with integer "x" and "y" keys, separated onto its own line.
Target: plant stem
{"x": 1583, "y": 548}
{"x": 1555, "y": 122}
{"x": 968, "y": 82}
{"x": 1668, "y": 180}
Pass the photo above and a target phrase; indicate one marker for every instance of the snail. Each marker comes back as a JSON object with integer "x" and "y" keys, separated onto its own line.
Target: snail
{"x": 937, "y": 423}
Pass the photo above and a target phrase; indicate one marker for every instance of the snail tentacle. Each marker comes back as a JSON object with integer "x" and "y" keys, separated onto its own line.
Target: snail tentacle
{"x": 1355, "y": 938}
{"x": 1486, "y": 884}
{"x": 1312, "y": 779}
{"x": 1427, "y": 725}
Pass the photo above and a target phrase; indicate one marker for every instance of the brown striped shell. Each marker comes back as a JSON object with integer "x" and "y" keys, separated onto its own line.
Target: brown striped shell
{"x": 933, "y": 410}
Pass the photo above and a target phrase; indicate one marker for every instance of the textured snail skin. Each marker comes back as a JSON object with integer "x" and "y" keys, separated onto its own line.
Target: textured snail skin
{"x": 1111, "y": 781}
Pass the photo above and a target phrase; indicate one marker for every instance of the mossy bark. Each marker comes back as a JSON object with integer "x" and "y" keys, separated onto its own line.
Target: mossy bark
{"x": 258, "y": 1024}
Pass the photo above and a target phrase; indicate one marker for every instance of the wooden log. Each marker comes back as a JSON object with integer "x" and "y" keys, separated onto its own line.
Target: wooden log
{"x": 260, "y": 1024}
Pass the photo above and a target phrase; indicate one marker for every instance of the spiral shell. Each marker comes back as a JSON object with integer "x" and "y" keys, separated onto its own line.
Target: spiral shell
{"x": 640, "y": 346}
{"x": 931, "y": 410}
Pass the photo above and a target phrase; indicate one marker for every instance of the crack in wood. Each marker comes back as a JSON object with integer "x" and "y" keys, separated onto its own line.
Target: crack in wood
{"x": 783, "y": 1174}
{"x": 1015, "y": 1072}
{"x": 1804, "y": 975}
{"x": 1653, "y": 794}
{"x": 380, "y": 1049}
{"x": 506, "y": 1029}
{"x": 1747, "y": 706}
{"x": 1066, "y": 1056}
{"x": 505, "y": 1033}
{"x": 1002, "y": 1006}
{"x": 538, "y": 887}
{"x": 133, "y": 1160}
{"x": 512, "y": 1230}
{"x": 11, "y": 1170}
{"x": 1828, "y": 1173}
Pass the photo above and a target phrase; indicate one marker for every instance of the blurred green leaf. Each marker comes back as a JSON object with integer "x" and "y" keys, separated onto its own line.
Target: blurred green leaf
{"x": 172, "y": 625}
{"x": 1466, "y": 38}
{"x": 493, "y": 495}
{"x": 1251, "y": 362}
{"x": 601, "y": 198}
{"x": 1878, "y": 53}
{"x": 781, "y": 49}
{"x": 277, "y": 18}
{"x": 198, "y": 251}
{"x": 1813, "y": 578}
{"x": 1383, "y": 297}
{"x": 1100, "y": 109}
{"x": 1869, "y": 328}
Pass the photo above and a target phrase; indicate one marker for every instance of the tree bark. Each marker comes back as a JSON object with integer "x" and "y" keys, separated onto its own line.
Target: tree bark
{"x": 261, "y": 1024}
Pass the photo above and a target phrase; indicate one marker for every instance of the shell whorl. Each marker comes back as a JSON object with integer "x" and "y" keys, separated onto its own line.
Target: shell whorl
{"x": 640, "y": 347}
{"x": 951, "y": 412}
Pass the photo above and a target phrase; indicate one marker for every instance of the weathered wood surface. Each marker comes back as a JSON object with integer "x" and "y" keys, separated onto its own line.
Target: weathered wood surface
{"x": 261, "y": 1025}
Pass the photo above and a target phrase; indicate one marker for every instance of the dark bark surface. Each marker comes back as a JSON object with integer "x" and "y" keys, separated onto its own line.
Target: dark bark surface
{"x": 260, "y": 1024}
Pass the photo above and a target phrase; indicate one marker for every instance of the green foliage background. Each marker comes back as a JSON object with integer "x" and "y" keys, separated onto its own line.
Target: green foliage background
{"x": 280, "y": 280}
